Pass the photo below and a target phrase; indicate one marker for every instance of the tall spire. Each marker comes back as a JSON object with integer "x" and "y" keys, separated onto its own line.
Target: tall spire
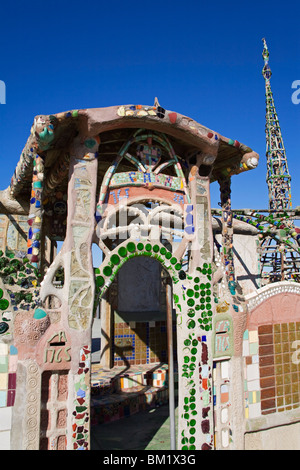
{"x": 278, "y": 177}
{"x": 278, "y": 248}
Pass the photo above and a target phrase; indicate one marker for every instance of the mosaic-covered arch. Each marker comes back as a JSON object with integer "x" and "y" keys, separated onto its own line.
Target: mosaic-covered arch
{"x": 193, "y": 301}
{"x": 85, "y": 157}
{"x": 192, "y": 284}
{"x": 105, "y": 274}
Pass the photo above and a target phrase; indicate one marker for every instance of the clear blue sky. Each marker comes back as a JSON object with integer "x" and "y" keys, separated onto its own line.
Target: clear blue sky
{"x": 201, "y": 59}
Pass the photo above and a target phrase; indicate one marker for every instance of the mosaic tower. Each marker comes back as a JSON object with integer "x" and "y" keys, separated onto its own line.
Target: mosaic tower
{"x": 278, "y": 177}
{"x": 278, "y": 260}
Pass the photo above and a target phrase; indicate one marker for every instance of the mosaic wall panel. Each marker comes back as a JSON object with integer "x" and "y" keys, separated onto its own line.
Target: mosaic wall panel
{"x": 272, "y": 369}
{"x": 222, "y": 404}
{"x": 8, "y": 376}
{"x": 141, "y": 342}
{"x": 13, "y": 233}
{"x": 17, "y": 233}
{"x": 54, "y": 393}
{"x": 81, "y": 413}
{"x": 251, "y": 374}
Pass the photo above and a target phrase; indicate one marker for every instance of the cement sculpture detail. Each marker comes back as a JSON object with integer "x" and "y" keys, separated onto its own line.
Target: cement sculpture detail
{"x": 135, "y": 181}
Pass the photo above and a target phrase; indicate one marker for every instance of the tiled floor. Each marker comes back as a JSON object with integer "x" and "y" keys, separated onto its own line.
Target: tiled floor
{"x": 129, "y": 410}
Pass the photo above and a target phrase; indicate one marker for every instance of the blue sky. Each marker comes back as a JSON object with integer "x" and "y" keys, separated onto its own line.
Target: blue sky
{"x": 201, "y": 59}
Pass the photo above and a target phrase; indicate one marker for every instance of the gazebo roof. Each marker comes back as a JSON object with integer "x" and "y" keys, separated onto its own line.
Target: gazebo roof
{"x": 52, "y": 135}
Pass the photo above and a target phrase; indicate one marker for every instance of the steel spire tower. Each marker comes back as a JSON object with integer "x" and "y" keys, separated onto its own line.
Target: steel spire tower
{"x": 278, "y": 177}
{"x": 279, "y": 245}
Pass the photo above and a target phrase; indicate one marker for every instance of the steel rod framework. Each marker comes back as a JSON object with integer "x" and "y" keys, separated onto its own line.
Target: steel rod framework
{"x": 278, "y": 177}
{"x": 279, "y": 254}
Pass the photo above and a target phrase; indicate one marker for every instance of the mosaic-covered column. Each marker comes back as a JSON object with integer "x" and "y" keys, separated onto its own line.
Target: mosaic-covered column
{"x": 227, "y": 230}
{"x": 80, "y": 229}
{"x": 36, "y": 212}
{"x": 229, "y": 324}
{"x": 61, "y": 352}
{"x": 194, "y": 303}
{"x": 106, "y": 357}
{"x": 79, "y": 279}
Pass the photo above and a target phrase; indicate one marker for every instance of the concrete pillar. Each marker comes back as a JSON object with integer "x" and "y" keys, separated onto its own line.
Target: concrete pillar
{"x": 79, "y": 277}
{"x": 236, "y": 316}
{"x": 195, "y": 307}
{"x": 69, "y": 353}
{"x": 106, "y": 359}
{"x": 227, "y": 229}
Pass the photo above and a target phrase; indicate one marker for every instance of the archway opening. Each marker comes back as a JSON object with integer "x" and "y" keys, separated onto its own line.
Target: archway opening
{"x": 137, "y": 373}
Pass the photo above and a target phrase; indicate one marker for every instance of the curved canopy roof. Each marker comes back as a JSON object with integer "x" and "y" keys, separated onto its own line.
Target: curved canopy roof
{"x": 52, "y": 137}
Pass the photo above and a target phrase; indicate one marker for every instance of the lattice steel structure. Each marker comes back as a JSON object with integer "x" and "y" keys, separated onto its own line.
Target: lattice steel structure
{"x": 279, "y": 252}
{"x": 278, "y": 177}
